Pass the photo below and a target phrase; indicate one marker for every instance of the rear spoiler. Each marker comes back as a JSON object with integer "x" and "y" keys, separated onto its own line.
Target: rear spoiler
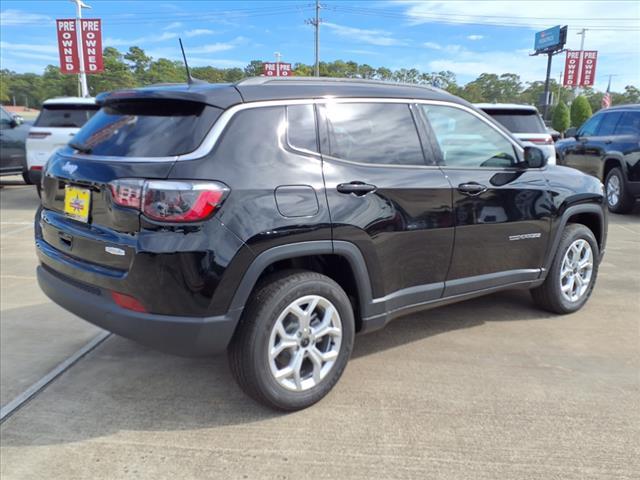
{"x": 221, "y": 96}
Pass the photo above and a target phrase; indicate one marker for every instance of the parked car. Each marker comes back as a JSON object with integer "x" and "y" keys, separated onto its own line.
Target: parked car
{"x": 607, "y": 146}
{"x": 58, "y": 121}
{"x": 280, "y": 217}
{"x": 525, "y": 123}
{"x": 13, "y": 133}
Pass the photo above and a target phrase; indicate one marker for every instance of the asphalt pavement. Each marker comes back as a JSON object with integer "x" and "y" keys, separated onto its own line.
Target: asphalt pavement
{"x": 491, "y": 388}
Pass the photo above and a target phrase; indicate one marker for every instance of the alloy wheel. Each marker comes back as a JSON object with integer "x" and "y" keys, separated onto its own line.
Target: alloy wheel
{"x": 305, "y": 343}
{"x": 613, "y": 190}
{"x": 576, "y": 270}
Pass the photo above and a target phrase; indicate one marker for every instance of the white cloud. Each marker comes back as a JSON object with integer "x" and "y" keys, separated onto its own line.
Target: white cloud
{"x": 432, "y": 45}
{"x": 475, "y": 37}
{"x": 28, "y": 47}
{"x": 198, "y": 32}
{"x": 618, "y": 47}
{"x": 377, "y": 37}
{"x": 10, "y": 18}
{"x": 173, "y": 26}
{"x": 140, "y": 41}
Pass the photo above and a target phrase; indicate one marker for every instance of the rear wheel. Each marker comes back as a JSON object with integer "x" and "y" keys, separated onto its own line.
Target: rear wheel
{"x": 619, "y": 200}
{"x": 294, "y": 341}
{"x": 573, "y": 273}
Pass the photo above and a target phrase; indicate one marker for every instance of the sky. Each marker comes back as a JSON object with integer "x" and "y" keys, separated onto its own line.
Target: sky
{"x": 466, "y": 37}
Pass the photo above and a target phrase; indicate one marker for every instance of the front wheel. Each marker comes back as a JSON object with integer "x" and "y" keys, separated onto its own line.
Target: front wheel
{"x": 619, "y": 200}
{"x": 294, "y": 341}
{"x": 573, "y": 273}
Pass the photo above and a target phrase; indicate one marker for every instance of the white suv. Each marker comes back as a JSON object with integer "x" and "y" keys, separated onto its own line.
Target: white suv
{"x": 59, "y": 120}
{"x": 525, "y": 123}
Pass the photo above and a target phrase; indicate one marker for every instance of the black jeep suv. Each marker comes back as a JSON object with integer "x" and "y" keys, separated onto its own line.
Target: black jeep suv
{"x": 280, "y": 217}
{"x": 607, "y": 146}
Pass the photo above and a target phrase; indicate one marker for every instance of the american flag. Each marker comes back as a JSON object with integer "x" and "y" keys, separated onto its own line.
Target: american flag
{"x": 606, "y": 100}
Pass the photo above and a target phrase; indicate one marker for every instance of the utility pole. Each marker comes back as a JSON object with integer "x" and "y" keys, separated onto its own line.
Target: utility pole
{"x": 278, "y": 57}
{"x": 316, "y": 23}
{"x": 545, "y": 107}
{"x": 583, "y": 34}
{"x": 82, "y": 76}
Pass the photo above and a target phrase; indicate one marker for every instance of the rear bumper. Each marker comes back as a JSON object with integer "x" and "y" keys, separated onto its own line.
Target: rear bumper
{"x": 186, "y": 336}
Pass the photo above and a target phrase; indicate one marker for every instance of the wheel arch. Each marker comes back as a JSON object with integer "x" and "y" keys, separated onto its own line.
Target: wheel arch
{"x": 591, "y": 216}
{"x": 609, "y": 164}
{"x": 341, "y": 261}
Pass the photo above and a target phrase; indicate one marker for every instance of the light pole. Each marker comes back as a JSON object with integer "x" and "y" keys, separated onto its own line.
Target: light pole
{"x": 82, "y": 76}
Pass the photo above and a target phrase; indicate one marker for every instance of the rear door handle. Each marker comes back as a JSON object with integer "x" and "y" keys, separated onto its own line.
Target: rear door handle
{"x": 357, "y": 188}
{"x": 472, "y": 188}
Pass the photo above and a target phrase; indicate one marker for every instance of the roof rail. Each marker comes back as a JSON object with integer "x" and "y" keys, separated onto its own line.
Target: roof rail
{"x": 362, "y": 81}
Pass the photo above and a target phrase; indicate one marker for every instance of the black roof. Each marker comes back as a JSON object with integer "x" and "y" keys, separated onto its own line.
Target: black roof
{"x": 256, "y": 89}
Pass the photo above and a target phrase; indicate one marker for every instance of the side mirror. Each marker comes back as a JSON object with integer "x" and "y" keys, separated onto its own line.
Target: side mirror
{"x": 534, "y": 157}
{"x": 571, "y": 132}
{"x": 13, "y": 123}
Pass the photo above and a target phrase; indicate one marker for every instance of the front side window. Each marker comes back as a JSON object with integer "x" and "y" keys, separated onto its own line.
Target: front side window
{"x": 608, "y": 123}
{"x": 65, "y": 116}
{"x": 377, "y": 133}
{"x": 467, "y": 141}
{"x": 589, "y": 128}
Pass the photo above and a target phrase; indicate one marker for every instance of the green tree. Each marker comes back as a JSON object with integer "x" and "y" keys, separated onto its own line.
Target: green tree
{"x": 116, "y": 75}
{"x": 164, "y": 70}
{"x": 580, "y": 111}
{"x": 560, "y": 119}
{"x": 138, "y": 60}
{"x": 254, "y": 69}
{"x": 631, "y": 94}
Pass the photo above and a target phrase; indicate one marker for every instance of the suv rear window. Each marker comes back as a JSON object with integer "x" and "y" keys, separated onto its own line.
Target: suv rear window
{"x": 519, "y": 121}
{"x": 65, "y": 115}
{"x": 147, "y": 128}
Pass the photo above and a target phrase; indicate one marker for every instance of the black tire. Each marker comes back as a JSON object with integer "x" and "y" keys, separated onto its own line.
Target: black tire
{"x": 625, "y": 201}
{"x": 549, "y": 295}
{"x": 25, "y": 177}
{"x": 248, "y": 351}
{"x": 39, "y": 190}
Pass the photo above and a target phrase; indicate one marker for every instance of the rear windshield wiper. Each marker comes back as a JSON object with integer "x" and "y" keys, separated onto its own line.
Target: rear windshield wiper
{"x": 81, "y": 147}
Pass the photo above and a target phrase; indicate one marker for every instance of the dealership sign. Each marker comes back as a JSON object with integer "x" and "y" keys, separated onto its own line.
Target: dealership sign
{"x": 580, "y": 68}
{"x": 550, "y": 39}
{"x": 277, "y": 69}
{"x": 69, "y": 48}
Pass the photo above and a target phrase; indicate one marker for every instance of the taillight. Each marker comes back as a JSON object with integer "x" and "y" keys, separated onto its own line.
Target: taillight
{"x": 36, "y": 168}
{"x": 127, "y": 192}
{"x": 128, "y": 302}
{"x": 169, "y": 201}
{"x": 38, "y": 135}
{"x": 540, "y": 141}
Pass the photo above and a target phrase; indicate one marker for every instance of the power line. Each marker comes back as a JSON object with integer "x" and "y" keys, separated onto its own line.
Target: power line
{"x": 459, "y": 19}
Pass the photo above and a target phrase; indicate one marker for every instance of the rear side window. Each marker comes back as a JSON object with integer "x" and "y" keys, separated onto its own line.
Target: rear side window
{"x": 467, "y": 141}
{"x": 147, "y": 128}
{"x": 608, "y": 123}
{"x": 378, "y": 133}
{"x": 65, "y": 115}
{"x": 301, "y": 127}
{"x": 518, "y": 121}
{"x": 630, "y": 124}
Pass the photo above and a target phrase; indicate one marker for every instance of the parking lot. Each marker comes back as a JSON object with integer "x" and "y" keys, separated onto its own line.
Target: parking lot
{"x": 491, "y": 388}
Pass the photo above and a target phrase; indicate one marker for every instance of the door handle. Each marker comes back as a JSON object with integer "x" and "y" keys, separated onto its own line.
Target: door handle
{"x": 357, "y": 188}
{"x": 472, "y": 188}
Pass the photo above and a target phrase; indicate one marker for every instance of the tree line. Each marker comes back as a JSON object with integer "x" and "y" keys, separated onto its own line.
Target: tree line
{"x": 135, "y": 68}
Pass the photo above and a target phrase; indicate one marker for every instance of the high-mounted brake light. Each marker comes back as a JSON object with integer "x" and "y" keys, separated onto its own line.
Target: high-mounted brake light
{"x": 169, "y": 200}
{"x": 38, "y": 135}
